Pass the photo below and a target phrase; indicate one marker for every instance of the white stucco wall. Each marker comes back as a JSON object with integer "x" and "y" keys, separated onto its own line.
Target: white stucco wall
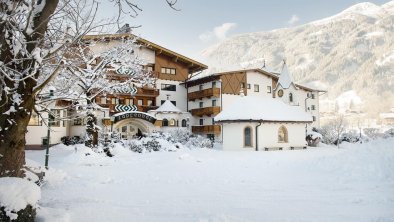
{"x": 146, "y": 55}
{"x": 233, "y": 135}
{"x": 263, "y": 81}
{"x": 179, "y": 95}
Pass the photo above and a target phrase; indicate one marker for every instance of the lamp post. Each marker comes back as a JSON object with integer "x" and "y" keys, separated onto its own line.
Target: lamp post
{"x": 48, "y": 141}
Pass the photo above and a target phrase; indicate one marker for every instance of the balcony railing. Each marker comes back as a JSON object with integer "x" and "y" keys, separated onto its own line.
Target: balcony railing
{"x": 208, "y": 129}
{"x": 207, "y": 111}
{"x": 147, "y": 92}
{"x": 211, "y": 92}
{"x": 112, "y": 109}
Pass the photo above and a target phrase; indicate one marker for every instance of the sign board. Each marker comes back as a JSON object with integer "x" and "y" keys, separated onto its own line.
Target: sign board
{"x": 137, "y": 115}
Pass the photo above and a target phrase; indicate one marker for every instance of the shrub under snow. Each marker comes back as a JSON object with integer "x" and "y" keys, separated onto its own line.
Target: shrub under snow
{"x": 15, "y": 195}
{"x": 170, "y": 141}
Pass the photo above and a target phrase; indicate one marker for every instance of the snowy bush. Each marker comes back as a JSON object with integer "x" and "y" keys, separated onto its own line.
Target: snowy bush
{"x": 372, "y": 133}
{"x": 313, "y": 137}
{"x": 328, "y": 134}
{"x": 18, "y": 199}
{"x": 151, "y": 144}
{"x": 389, "y": 133}
{"x": 170, "y": 141}
{"x": 351, "y": 136}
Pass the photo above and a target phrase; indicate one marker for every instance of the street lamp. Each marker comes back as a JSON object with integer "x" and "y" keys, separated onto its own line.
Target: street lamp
{"x": 112, "y": 122}
{"x": 48, "y": 141}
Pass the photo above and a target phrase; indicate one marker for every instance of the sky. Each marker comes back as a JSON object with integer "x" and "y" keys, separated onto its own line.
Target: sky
{"x": 201, "y": 23}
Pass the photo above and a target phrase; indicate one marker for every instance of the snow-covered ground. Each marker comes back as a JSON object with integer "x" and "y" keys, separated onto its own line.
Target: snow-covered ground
{"x": 354, "y": 183}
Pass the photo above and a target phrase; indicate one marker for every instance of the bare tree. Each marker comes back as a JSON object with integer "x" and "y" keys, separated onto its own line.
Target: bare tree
{"x": 91, "y": 75}
{"x": 34, "y": 36}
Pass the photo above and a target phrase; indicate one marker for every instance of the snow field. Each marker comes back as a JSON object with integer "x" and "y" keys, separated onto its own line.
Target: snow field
{"x": 354, "y": 183}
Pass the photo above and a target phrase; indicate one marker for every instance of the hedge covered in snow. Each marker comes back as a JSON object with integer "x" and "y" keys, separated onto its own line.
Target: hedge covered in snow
{"x": 18, "y": 198}
{"x": 170, "y": 141}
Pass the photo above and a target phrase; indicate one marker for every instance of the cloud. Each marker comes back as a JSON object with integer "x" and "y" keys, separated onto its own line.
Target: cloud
{"x": 294, "y": 19}
{"x": 218, "y": 32}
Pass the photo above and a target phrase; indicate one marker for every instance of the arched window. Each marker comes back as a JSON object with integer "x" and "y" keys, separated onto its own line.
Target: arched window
{"x": 291, "y": 97}
{"x": 183, "y": 123}
{"x": 282, "y": 135}
{"x": 172, "y": 122}
{"x": 248, "y": 136}
{"x": 165, "y": 122}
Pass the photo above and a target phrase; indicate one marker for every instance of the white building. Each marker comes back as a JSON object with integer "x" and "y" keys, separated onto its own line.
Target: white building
{"x": 263, "y": 123}
{"x": 209, "y": 95}
{"x": 178, "y": 99}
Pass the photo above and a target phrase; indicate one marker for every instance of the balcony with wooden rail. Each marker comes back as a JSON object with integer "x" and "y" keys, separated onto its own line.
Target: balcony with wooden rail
{"x": 206, "y": 111}
{"x": 207, "y": 129}
{"x": 111, "y": 108}
{"x": 205, "y": 93}
{"x": 147, "y": 92}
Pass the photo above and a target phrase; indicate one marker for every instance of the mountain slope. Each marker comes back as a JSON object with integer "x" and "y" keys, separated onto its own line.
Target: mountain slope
{"x": 353, "y": 50}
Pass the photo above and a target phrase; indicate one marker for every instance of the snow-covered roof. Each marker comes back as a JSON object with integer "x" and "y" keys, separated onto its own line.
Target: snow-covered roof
{"x": 253, "y": 108}
{"x": 285, "y": 78}
{"x": 168, "y": 107}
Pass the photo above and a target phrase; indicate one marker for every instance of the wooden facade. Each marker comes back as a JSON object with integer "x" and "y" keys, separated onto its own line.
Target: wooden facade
{"x": 207, "y": 129}
{"x": 231, "y": 83}
{"x": 163, "y": 61}
{"x": 205, "y": 93}
{"x": 206, "y": 111}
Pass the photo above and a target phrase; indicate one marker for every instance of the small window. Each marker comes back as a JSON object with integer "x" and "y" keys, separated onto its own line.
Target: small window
{"x": 312, "y": 96}
{"x": 124, "y": 129}
{"x": 269, "y": 90}
{"x": 213, "y": 121}
{"x": 201, "y": 87}
{"x": 150, "y": 102}
{"x": 248, "y": 137}
{"x": 314, "y": 118}
{"x": 77, "y": 121}
{"x": 54, "y": 117}
{"x": 248, "y": 85}
{"x": 149, "y": 68}
{"x": 184, "y": 123}
{"x": 168, "y": 87}
{"x": 165, "y": 122}
{"x": 201, "y": 122}
{"x": 256, "y": 88}
{"x": 280, "y": 93}
{"x": 34, "y": 119}
{"x": 201, "y": 104}
{"x": 214, "y": 102}
{"x": 291, "y": 97}
{"x": 172, "y": 122}
{"x": 103, "y": 100}
{"x": 242, "y": 85}
{"x": 313, "y": 107}
{"x": 129, "y": 102}
{"x": 282, "y": 135}
{"x": 213, "y": 84}
{"x": 140, "y": 102}
{"x": 169, "y": 71}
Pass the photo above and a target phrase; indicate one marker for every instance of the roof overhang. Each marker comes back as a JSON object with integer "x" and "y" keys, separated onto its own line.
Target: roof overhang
{"x": 193, "y": 65}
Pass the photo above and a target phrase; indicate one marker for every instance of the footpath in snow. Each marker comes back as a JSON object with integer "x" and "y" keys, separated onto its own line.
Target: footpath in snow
{"x": 354, "y": 183}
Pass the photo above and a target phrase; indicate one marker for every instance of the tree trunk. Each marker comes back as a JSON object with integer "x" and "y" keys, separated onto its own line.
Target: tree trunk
{"x": 12, "y": 138}
{"x": 91, "y": 130}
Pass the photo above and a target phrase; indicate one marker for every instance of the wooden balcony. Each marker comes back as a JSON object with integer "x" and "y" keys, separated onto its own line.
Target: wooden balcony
{"x": 148, "y": 92}
{"x": 207, "y": 111}
{"x": 208, "y": 129}
{"x": 111, "y": 108}
{"x": 205, "y": 93}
